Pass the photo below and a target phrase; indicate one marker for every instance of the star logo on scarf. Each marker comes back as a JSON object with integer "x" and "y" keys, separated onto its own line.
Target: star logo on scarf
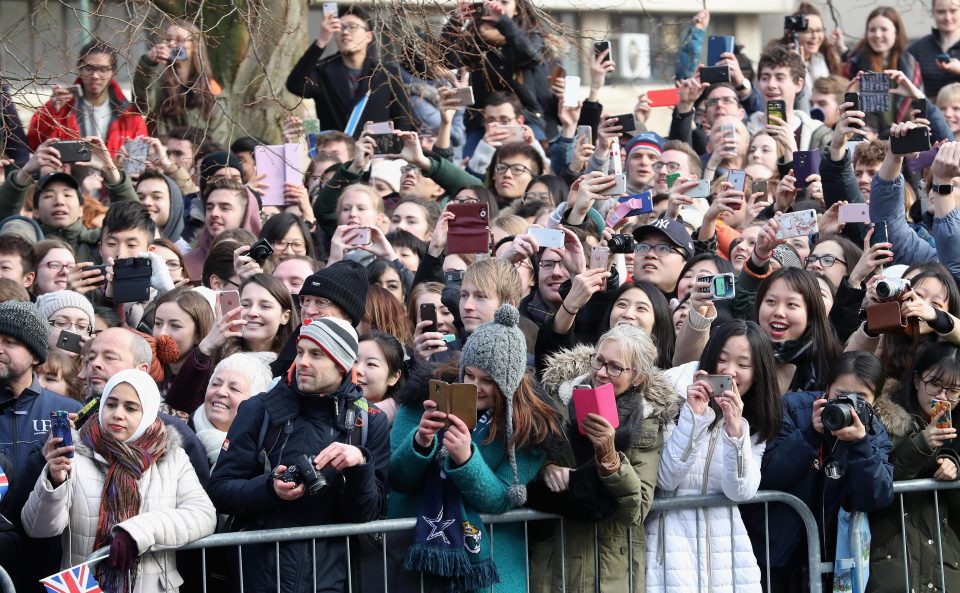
{"x": 438, "y": 526}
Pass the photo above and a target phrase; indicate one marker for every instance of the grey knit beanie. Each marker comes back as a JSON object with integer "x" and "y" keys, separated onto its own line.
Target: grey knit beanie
{"x": 499, "y": 349}
{"x": 50, "y": 303}
{"x": 23, "y": 321}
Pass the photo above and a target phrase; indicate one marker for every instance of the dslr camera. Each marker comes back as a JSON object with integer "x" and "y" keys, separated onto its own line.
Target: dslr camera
{"x": 621, "y": 244}
{"x": 795, "y": 23}
{"x": 304, "y": 473}
{"x": 838, "y": 413}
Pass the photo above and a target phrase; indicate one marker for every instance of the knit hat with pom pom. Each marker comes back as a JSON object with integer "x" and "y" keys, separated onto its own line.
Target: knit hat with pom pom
{"x": 499, "y": 349}
{"x": 164, "y": 350}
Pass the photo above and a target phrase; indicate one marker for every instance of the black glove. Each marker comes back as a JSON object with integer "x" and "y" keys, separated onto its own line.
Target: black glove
{"x": 123, "y": 551}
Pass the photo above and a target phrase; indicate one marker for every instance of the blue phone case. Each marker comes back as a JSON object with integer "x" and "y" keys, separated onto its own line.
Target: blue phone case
{"x": 60, "y": 428}
{"x": 716, "y": 45}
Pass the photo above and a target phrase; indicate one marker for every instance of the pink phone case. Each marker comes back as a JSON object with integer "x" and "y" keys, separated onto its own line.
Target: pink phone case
{"x": 854, "y": 213}
{"x": 599, "y": 401}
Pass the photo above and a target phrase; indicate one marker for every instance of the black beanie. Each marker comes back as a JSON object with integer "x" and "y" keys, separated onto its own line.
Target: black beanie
{"x": 215, "y": 161}
{"x": 344, "y": 284}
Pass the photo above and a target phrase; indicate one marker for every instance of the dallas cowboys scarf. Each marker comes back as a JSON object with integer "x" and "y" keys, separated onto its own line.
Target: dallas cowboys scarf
{"x": 449, "y": 540}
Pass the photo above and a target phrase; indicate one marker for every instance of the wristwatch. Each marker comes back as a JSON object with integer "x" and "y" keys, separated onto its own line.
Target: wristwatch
{"x": 944, "y": 189}
{"x": 743, "y": 86}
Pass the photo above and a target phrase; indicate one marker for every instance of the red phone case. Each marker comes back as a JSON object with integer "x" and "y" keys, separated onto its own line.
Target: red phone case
{"x": 470, "y": 231}
{"x": 601, "y": 401}
{"x": 664, "y": 97}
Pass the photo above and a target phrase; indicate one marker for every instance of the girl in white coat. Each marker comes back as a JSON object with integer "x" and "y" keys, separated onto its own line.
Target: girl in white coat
{"x": 130, "y": 486}
{"x": 715, "y": 448}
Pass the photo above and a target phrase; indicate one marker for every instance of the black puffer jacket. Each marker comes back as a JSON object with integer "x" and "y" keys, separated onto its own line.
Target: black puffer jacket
{"x": 241, "y": 485}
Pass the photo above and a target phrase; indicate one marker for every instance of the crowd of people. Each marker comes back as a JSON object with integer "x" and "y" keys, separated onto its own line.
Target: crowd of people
{"x": 762, "y": 297}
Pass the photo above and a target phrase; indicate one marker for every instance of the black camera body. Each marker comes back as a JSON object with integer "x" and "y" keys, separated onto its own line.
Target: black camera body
{"x": 260, "y": 251}
{"x": 795, "y": 23}
{"x": 303, "y": 472}
{"x": 838, "y": 413}
{"x": 621, "y": 244}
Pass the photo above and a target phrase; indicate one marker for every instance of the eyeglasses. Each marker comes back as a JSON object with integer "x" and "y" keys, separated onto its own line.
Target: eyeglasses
{"x": 62, "y": 323}
{"x": 718, "y": 100}
{"x": 934, "y": 388}
{"x": 55, "y": 267}
{"x": 173, "y": 265}
{"x": 284, "y": 245}
{"x": 409, "y": 169}
{"x": 671, "y": 166}
{"x": 232, "y": 283}
{"x": 92, "y": 69}
{"x": 549, "y": 265}
{"x": 515, "y": 170}
{"x": 543, "y": 196}
{"x": 826, "y": 261}
{"x": 613, "y": 370}
{"x": 353, "y": 27}
{"x": 661, "y": 249}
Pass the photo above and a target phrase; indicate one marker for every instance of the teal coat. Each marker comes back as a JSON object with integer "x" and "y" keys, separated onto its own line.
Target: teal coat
{"x": 483, "y": 482}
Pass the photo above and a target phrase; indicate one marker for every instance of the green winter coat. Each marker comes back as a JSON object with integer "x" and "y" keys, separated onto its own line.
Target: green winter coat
{"x": 630, "y": 489}
{"x": 913, "y": 459}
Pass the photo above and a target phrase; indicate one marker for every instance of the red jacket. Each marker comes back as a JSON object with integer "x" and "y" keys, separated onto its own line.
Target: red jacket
{"x": 126, "y": 122}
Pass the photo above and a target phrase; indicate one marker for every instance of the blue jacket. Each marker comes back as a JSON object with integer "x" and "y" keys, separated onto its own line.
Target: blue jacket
{"x": 242, "y": 486}
{"x": 866, "y": 485}
{"x": 25, "y": 421}
{"x": 886, "y": 204}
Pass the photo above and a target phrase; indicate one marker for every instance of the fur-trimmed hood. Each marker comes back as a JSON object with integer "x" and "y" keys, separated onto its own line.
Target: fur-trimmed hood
{"x": 565, "y": 369}
{"x": 898, "y": 421}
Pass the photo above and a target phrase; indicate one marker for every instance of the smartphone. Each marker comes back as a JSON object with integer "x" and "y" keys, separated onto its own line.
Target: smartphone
{"x": 798, "y": 224}
{"x": 738, "y": 178}
{"x": 382, "y": 127}
{"x": 72, "y": 151}
{"x": 717, "y": 45}
{"x": 916, "y": 140}
{"x": 619, "y": 188}
{"x": 599, "y": 257}
{"x": 131, "y": 279}
{"x": 664, "y": 97}
{"x": 600, "y": 401}
{"x": 921, "y": 106}
{"x": 556, "y": 74}
{"x": 714, "y": 74}
{"x": 672, "y": 178}
{"x": 805, "y": 164}
{"x": 571, "y": 91}
{"x": 453, "y": 277}
{"x": 729, "y": 131}
{"x": 547, "y": 237}
{"x": 759, "y": 186}
{"x": 937, "y": 406}
{"x": 701, "y": 191}
{"x": 722, "y": 286}
{"x": 227, "y": 300}
{"x": 361, "y": 237}
{"x": 60, "y": 428}
{"x": 600, "y": 47}
{"x": 853, "y": 98}
{"x": 428, "y": 312}
{"x": 101, "y": 269}
{"x": 70, "y": 342}
{"x": 585, "y": 132}
{"x": 464, "y": 96}
{"x": 311, "y": 125}
{"x": 854, "y": 213}
{"x": 516, "y": 134}
{"x": 626, "y": 122}
{"x": 718, "y": 384}
{"x": 330, "y": 8}
{"x": 776, "y": 108}
{"x": 879, "y": 233}
{"x": 387, "y": 144}
{"x": 136, "y": 161}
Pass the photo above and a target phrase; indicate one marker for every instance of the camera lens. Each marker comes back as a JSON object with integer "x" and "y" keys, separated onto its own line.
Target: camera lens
{"x": 837, "y": 415}
{"x": 621, "y": 244}
{"x": 313, "y": 481}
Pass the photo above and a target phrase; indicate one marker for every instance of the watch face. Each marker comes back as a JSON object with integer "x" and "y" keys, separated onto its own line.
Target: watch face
{"x": 943, "y": 188}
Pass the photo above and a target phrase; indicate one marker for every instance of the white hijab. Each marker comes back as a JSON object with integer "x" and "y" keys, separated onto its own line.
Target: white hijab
{"x": 146, "y": 389}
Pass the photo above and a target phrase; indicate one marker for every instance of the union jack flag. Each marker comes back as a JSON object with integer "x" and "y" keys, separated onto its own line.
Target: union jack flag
{"x": 4, "y": 484}
{"x": 77, "y": 579}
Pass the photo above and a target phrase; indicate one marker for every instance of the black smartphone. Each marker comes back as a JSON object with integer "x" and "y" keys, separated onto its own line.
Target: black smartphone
{"x": 626, "y": 123}
{"x": 916, "y": 140}
{"x": 712, "y": 74}
{"x": 919, "y": 105}
{"x": 855, "y": 99}
{"x": 600, "y": 47}
{"x": 72, "y": 151}
{"x": 69, "y": 341}
{"x": 131, "y": 279}
{"x": 453, "y": 277}
{"x": 428, "y": 312}
{"x": 101, "y": 270}
{"x": 879, "y": 233}
{"x": 387, "y": 144}
{"x": 776, "y": 108}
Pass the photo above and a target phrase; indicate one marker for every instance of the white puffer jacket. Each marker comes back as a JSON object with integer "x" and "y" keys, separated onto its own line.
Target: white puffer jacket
{"x": 174, "y": 511}
{"x": 690, "y": 550}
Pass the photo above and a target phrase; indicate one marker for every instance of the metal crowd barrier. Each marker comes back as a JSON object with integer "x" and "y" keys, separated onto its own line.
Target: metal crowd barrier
{"x": 6, "y": 583}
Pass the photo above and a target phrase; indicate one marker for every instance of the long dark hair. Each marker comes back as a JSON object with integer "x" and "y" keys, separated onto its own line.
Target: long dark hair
{"x": 278, "y": 225}
{"x": 825, "y": 344}
{"x": 393, "y": 355}
{"x": 279, "y": 292}
{"x": 865, "y": 366}
{"x": 829, "y": 53}
{"x": 664, "y": 334}
{"x": 942, "y": 359}
{"x": 761, "y": 403}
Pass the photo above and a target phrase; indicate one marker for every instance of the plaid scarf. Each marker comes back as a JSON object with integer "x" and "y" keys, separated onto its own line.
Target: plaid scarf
{"x": 450, "y": 541}
{"x": 120, "y": 499}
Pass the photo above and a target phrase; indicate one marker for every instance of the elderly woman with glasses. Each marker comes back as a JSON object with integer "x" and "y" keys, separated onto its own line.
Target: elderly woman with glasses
{"x": 67, "y": 311}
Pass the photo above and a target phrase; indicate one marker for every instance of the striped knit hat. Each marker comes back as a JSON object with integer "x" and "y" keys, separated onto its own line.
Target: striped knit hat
{"x": 649, "y": 141}
{"x": 336, "y": 337}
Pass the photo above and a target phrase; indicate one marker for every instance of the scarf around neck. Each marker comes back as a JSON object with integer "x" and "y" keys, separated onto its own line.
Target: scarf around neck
{"x": 211, "y": 436}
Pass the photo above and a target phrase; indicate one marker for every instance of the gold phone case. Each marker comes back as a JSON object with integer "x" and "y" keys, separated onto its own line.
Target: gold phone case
{"x": 459, "y": 399}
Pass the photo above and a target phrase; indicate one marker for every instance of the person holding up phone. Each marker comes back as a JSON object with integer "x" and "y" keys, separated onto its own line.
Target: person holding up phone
{"x": 602, "y": 480}
{"x": 481, "y": 471}
{"x": 67, "y": 311}
{"x": 101, "y": 110}
{"x": 918, "y": 417}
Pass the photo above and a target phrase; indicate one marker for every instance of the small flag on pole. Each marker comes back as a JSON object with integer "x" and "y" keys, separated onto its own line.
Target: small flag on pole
{"x": 355, "y": 115}
{"x": 76, "y": 579}
{"x": 4, "y": 483}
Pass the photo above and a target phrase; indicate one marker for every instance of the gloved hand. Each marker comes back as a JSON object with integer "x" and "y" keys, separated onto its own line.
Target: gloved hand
{"x": 160, "y": 278}
{"x": 601, "y": 434}
{"x": 123, "y": 551}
